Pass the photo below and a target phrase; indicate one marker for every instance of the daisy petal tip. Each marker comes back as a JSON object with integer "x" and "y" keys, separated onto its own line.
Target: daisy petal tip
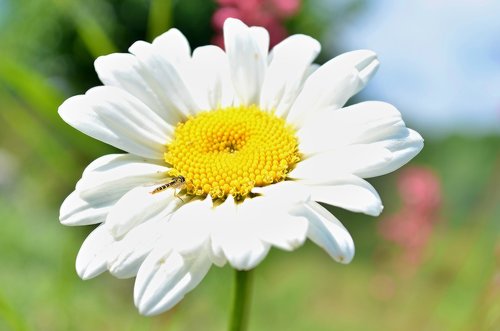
{"x": 244, "y": 268}
{"x": 145, "y": 308}
{"x": 416, "y": 138}
{"x": 346, "y": 251}
{"x": 245, "y": 257}
{"x": 298, "y": 238}
{"x": 89, "y": 269}
{"x": 104, "y": 65}
{"x": 295, "y": 243}
{"x": 66, "y": 109}
{"x": 171, "y": 33}
{"x": 375, "y": 210}
{"x": 94, "y": 252}
{"x": 101, "y": 62}
{"x": 249, "y": 260}
{"x": 75, "y": 211}
{"x": 173, "y": 39}
{"x": 117, "y": 231}
{"x": 138, "y": 47}
{"x": 67, "y": 210}
{"x": 369, "y": 71}
{"x": 364, "y": 62}
{"x": 90, "y": 272}
{"x": 67, "y": 221}
{"x": 344, "y": 259}
{"x": 233, "y": 23}
{"x": 123, "y": 269}
{"x": 218, "y": 259}
{"x": 64, "y": 212}
{"x": 367, "y": 65}
{"x": 365, "y": 57}
{"x": 361, "y": 58}
{"x": 305, "y": 39}
{"x": 153, "y": 308}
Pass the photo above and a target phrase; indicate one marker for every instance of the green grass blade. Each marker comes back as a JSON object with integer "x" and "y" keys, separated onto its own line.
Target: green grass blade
{"x": 44, "y": 99}
{"x": 160, "y": 17}
{"x": 47, "y": 149}
{"x": 94, "y": 37}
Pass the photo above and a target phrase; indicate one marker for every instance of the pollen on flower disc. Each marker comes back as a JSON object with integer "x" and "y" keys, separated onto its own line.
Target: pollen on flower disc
{"x": 231, "y": 150}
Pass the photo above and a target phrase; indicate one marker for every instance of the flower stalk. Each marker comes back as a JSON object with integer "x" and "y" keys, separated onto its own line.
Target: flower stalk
{"x": 241, "y": 300}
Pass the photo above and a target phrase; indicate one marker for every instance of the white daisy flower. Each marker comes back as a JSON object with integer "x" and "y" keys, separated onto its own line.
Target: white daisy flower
{"x": 227, "y": 154}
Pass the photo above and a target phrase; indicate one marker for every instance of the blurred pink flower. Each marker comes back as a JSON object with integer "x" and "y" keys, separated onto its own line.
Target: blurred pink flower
{"x": 411, "y": 227}
{"x": 266, "y": 13}
{"x": 420, "y": 190}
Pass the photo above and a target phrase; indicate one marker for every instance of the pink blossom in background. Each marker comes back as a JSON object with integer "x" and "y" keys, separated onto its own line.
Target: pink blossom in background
{"x": 420, "y": 190}
{"x": 266, "y": 13}
{"x": 411, "y": 227}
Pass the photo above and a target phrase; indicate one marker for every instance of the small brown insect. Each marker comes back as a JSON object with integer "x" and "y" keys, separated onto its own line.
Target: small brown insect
{"x": 175, "y": 183}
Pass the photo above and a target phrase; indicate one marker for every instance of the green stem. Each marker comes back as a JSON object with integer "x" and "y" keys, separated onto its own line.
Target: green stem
{"x": 241, "y": 300}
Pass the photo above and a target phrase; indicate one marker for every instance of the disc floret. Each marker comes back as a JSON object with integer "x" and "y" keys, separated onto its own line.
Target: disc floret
{"x": 231, "y": 150}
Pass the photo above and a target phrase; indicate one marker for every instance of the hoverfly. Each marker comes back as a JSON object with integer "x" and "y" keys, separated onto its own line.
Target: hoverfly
{"x": 175, "y": 183}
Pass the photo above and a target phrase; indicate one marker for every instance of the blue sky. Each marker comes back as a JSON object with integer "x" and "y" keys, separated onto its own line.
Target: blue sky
{"x": 440, "y": 60}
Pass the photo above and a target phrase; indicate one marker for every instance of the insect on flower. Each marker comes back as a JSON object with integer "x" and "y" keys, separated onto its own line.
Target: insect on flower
{"x": 176, "y": 183}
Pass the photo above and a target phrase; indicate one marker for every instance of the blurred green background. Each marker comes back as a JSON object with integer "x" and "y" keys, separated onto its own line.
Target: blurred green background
{"x": 46, "y": 55}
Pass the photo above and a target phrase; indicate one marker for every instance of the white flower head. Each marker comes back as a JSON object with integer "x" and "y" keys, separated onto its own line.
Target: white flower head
{"x": 227, "y": 153}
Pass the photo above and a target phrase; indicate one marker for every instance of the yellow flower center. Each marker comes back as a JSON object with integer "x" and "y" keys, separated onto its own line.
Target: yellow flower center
{"x": 231, "y": 150}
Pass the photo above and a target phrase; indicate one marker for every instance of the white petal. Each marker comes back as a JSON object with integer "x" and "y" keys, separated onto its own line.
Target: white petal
{"x": 247, "y": 54}
{"x": 261, "y": 38}
{"x": 218, "y": 258}
{"x": 345, "y": 191}
{"x": 309, "y": 71}
{"x": 236, "y": 238}
{"x": 288, "y": 190}
{"x": 165, "y": 277}
{"x": 77, "y": 211}
{"x": 136, "y": 76}
{"x": 223, "y": 214}
{"x": 364, "y": 122}
{"x": 291, "y": 60}
{"x": 124, "y": 71}
{"x": 189, "y": 227}
{"x": 174, "y": 46}
{"x": 359, "y": 160}
{"x": 210, "y": 82}
{"x": 403, "y": 146}
{"x": 129, "y": 252}
{"x": 334, "y": 83}
{"x": 367, "y": 139}
{"x": 273, "y": 222}
{"x": 106, "y": 161}
{"x": 137, "y": 206}
{"x": 327, "y": 232}
{"x": 103, "y": 183}
{"x": 117, "y": 118}
{"x": 91, "y": 259}
{"x": 169, "y": 78}
{"x": 111, "y": 176}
